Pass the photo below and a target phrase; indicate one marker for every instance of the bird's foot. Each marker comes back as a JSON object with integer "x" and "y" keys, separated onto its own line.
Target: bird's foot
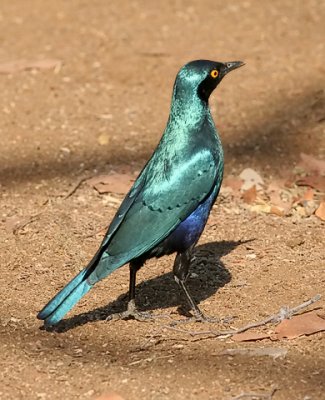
{"x": 133, "y": 313}
{"x": 199, "y": 316}
{"x": 207, "y": 319}
{"x": 212, "y": 320}
{"x": 125, "y": 315}
{"x": 203, "y": 319}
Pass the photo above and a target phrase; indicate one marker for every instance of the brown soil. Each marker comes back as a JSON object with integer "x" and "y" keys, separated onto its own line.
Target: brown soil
{"x": 119, "y": 63}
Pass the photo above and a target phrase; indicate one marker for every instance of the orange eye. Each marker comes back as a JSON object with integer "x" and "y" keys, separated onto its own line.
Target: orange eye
{"x": 214, "y": 73}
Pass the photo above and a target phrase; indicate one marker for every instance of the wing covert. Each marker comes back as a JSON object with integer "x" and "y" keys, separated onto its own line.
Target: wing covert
{"x": 163, "y": 202}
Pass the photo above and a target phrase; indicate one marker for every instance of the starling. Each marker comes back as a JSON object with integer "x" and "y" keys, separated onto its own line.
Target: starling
{"x": 168, "y": 205}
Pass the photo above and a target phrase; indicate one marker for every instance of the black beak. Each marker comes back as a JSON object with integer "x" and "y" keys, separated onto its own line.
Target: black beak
{"x": 230, "y": 66}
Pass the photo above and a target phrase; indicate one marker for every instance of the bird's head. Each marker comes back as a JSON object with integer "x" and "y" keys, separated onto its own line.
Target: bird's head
{"x": 203, "y": 76}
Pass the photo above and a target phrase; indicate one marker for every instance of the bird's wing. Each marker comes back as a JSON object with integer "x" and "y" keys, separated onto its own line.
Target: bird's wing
{"x": 160, "y": 202}
{"x": 124, "y": 207}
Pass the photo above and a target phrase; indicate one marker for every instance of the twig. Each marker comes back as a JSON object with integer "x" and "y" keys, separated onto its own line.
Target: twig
{"x": 284, "y": 313}
{"x": 267, "y": 396}
{"x": 75, "y": 187}
{"x": 25, "y": 222}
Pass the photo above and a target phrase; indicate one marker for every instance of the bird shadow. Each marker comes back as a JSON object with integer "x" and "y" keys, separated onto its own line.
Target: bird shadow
{"x": 207, "y": 274}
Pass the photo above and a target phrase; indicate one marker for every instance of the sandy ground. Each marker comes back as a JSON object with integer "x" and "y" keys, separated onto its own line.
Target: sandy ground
{"x": 119, "y": 61}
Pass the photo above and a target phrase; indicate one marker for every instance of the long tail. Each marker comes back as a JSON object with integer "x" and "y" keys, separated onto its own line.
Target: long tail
{"x": 56, "y": 308}
{"x": 99, "y": 267}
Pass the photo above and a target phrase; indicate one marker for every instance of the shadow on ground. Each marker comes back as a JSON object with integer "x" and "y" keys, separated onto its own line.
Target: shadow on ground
{"x": 163, "y": 292}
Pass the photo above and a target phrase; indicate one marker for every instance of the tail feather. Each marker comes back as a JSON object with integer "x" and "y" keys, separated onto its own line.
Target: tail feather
{"x": 56, "y": 308}
{"x": 68, "y": 303}
{"x": 53, "y": 304}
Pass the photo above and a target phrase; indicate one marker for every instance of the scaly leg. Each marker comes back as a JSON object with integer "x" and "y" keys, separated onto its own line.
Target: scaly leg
{"x": 132, "y": 312}
{"x": 181, "y": 269}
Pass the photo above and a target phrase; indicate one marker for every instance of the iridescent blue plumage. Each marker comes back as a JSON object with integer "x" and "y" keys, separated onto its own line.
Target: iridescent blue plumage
{"x": 189, "y": 231}
{"x": 168, "y": 205}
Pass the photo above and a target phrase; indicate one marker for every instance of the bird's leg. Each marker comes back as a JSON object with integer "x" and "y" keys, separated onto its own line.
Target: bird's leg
{"x": 180, "y": 270}
{"x": 132, "y": 309}
{"x": 133, "y": 275}
{"x": 132, "y": 312}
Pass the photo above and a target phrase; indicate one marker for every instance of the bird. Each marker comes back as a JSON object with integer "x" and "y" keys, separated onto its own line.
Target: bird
{"x": 167, "y": 207}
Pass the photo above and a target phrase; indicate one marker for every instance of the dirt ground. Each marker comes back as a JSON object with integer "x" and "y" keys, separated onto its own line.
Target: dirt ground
{"x": 105, "y": 109}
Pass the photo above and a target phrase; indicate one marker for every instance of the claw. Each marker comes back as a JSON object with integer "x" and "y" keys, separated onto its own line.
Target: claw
{"x": 130, "y": 313}
{"x": 133, "y": 313}
{"x": 125, "y": 315}
{"x": 203, "y": 318}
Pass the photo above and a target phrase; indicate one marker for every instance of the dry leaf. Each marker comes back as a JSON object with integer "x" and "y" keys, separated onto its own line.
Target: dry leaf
{"x": 304, "y": 324}
{"x": 261, "y": 208}
{"x": 114, "y": 183}
{"x": 309, "y": 194}
{"x": 277, "y": 211}
{"x": 310, "y": 207}
{"x": 320, "y": 212}
{"x": 276, "y": 185}
{"x": 249, "y": 195}
{"x": 275, "y": 198}
{"x": 279, "y": 206}
{"x": 22, "y": 65}
{"x": 300, "y": 211}
{"x": 312, "y": 164}
{"x": 251, "y": 178}
{"x": 234, "y": 183}
{"x": 249, "y": 336}
{"x": 314, "y": 181}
